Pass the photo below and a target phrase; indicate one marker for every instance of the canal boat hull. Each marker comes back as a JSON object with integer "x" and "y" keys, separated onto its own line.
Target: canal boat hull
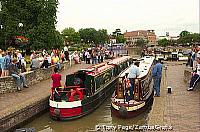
{"x": 86, "y": 89}
{"x": 124, "y": 105}
{"x": 124, "y": 113}
{"x": 86, "y": 106}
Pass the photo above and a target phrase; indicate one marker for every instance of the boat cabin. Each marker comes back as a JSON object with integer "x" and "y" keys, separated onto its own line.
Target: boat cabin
{"x": 141, "y": 86}
{"x": 94, "y": 78}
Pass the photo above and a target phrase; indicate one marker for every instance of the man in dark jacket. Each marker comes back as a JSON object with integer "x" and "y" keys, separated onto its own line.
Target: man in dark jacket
{"x": 14, "y": 71}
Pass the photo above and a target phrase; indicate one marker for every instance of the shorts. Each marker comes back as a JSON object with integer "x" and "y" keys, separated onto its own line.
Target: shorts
{"x": 2, "y": 67}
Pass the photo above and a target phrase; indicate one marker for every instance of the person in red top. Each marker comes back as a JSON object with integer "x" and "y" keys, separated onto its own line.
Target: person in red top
{"x": 56, "y": 77}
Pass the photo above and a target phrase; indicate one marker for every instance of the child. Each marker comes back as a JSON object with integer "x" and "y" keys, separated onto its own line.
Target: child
{"x": 56, "y": 77}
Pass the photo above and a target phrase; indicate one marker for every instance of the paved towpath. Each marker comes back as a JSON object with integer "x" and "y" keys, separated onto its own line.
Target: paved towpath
{"x": 12, "y": 102}
{"x": 181, "y": 109}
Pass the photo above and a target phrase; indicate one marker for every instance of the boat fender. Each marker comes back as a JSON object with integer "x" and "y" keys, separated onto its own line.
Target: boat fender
{"x": 57, "y": 112}
{"x": 123, "y": 111}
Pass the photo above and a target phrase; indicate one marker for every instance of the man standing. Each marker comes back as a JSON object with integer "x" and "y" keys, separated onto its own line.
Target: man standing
{"x": 66, "y": 52}
{"x": 56, "y": 78}
{"x": 14, "y": 71}
{"x": 157, "y": 75}
{"x": 196, "y": 78}
{"x": 134, "y": 72}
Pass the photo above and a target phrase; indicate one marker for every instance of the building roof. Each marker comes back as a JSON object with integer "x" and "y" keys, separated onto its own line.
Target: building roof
{"x": 144, "y": 33}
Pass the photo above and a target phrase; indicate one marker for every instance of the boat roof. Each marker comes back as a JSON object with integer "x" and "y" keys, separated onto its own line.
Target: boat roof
{"x": 144, "y": 67}
{"x": 119, "y": 60}
{"x": 99, "y": 70}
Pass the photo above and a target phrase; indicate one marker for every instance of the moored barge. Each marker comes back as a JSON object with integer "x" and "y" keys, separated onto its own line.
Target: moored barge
{"x": 121, "y": 104}
{"x": 86, "y": 89}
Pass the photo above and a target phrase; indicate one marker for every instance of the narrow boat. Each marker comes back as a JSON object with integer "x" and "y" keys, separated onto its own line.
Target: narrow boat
{"x": 86, "y": 89}
{"x": 121, "y": 104}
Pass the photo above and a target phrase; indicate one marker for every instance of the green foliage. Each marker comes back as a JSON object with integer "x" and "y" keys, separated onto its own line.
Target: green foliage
{"x": 188, "y": 38}
{"x": 116, "y": 33}
{"x": 71, "y": 35}
{"x": 91, "y": 35}
{"x": 101, "y": 36}
{"x": 140, "y": 42}
{"x": 184, "y": 33}
{"x": 163, "y": 42}
{"x": 38, "y": 18}
{"x": 120, "y": 39}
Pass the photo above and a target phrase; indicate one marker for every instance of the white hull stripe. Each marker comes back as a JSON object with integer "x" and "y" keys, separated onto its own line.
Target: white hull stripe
{"x": 64, "y": 104}
{"x": 129, "y": 109}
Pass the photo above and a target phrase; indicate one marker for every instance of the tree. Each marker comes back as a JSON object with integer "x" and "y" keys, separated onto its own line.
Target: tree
{"x": 88, "y": 35}
{"x": 163, "y": 42}
{"x": 117, "y": 32}
{"x": 120, "y": 39}
{"x": 38, "y": 18}
{"x": 102, "y": 36}
{"x": 188, "y": 38}
{"x": 184, "y": 33}
{"x": 140, "y": 42}
{"x": 71, "y": 35}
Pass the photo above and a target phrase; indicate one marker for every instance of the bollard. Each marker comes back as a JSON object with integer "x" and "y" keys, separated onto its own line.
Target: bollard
{"x": 169, "y": 89}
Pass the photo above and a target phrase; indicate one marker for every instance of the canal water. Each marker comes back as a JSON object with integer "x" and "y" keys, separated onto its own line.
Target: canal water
{"x": 101, "y": 116}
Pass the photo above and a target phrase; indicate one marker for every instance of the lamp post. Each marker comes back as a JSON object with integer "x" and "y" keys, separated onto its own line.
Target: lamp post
{"x": 20, "y": 25}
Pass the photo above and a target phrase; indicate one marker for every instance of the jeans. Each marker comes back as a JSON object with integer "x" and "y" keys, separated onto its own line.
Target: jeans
{"x": 132, "y": 81}
{"x": 19, "y": 79}
{"x": 157, "y": 81}
{"x": 94, "y": 60}
{"x": 194, "y": 80}
{"x": 58, "y": 65}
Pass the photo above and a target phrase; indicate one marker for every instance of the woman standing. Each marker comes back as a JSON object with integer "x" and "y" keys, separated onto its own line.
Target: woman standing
{"x": 2, "y": 64}
{"x": 7, "y": 62}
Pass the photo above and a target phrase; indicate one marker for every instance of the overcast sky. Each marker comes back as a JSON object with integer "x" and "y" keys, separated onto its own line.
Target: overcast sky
{"x": 163, "y": 16}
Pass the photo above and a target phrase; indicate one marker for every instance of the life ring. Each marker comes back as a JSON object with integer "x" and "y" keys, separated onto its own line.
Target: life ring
{"x": 73, "y": 93}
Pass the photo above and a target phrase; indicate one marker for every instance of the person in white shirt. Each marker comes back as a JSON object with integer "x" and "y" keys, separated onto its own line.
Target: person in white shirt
{"x": 195, "y": 78}
{"x": 66, "y": 52}
{"x": 88, "y": 56}
{"x": 32, "y": 55}
{"x": 41, "y": 59}
{"x": 198, "y": 52}
{"x": 19, "y": 58}
{"x": 49, "y": 59}
{"x": 134, "y": 72}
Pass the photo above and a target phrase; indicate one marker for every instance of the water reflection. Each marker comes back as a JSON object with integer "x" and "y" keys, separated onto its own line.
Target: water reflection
{"x": 101, "y": 116}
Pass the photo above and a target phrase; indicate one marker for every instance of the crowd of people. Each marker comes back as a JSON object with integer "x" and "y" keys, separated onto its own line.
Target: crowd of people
{"x": 13, "y": 63}
{"x": 94, "y": 56}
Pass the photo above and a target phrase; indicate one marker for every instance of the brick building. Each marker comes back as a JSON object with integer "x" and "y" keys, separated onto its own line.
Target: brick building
{"x": 133, "y": 36}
